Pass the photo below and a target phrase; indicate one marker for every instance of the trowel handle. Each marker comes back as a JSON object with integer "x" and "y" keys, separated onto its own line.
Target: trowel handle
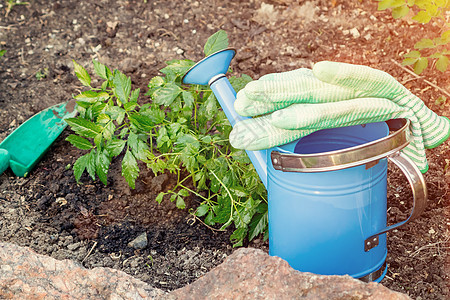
{"x": 4, "y": 160}
{"x": 419, "y": 191}
{"x": 226, "y": 96}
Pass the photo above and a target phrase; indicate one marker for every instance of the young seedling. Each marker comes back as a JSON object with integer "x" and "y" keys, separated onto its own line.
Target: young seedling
{"x": 180, "y": 131}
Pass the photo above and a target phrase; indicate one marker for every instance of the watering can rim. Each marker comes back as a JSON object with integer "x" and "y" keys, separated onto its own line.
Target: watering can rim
{"x": 214, "y": 77}
{"x": 344, "y": 158}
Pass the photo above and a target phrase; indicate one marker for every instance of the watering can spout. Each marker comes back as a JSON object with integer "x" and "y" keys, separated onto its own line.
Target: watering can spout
{"x": 211, "y": 71}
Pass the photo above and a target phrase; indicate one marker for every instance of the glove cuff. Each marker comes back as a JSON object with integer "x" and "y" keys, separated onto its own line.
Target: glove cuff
{"x": 442, "y": 136}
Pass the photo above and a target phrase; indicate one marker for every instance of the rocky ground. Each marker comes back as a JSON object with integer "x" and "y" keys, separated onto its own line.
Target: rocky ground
{"x": 93, "y": 224}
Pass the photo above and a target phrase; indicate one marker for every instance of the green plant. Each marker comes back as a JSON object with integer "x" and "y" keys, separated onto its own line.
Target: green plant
{"x": 2, "y": 52}
{"x": 41, "y": 74}
{"x": 11, "y": 3}
{"x": 436, "y": 49}
{"x": 181, "y": 131}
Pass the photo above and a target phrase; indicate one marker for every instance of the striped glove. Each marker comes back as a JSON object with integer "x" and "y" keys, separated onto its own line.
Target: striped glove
{"x": 297, "y": 103}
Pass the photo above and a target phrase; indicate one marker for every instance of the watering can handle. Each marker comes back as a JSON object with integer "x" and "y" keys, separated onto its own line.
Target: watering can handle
{"x": 419, "y": 190}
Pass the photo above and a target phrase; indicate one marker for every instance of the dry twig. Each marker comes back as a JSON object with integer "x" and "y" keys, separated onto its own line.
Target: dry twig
{"x": 418, "y": 77}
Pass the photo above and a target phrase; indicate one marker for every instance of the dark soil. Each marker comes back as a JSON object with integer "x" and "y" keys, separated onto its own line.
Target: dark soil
{"x": 93, "y": 224}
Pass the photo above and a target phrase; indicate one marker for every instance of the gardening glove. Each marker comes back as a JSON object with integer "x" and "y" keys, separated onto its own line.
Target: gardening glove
{"x": 331, "y": 95}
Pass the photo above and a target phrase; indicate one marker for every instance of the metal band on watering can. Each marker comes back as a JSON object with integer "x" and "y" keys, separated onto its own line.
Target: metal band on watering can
{"x": 367, "y": 154}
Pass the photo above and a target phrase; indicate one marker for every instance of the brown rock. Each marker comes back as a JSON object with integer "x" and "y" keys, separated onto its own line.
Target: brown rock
{"x": 27, "y": 275}
{"x": 252, "y": 274}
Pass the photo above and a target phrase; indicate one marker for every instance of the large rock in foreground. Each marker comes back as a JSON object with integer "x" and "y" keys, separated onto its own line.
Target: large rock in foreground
{"x": 246, "y": 274}
{"x": 252, "y": 274}
{"x": 27, "y": 275}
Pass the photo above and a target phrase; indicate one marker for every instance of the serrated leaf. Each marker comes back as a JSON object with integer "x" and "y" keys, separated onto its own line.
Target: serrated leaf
{"x": 84, "y": 127}
{"x": 130, "y": 169}
{"x": 138, "y": 147}
{"x": 115, "y": 146}
{"x": 129, "y": 106}
{"x": 98, "y": 139}
{"x": 160, "y": 197}
{"x": 100, "y": 69}
{"x": 188, "y": 99}
{"x": 135, "y": 95}
{"x": 409, "y": 61}
{"x": 237, "y": 238}
{"x": 122, "y": 86}
{"x": 92, "y": 96}
{"x": 79, "y": 142}
{"x": 156, "y": 115}
{"x": 79, "y": 166}
{"x": 167, "y": 94}
{"x": 82, "y": 74}
{"x": 384, "y": 4}
{"x": 442, "y": 63}
{"x": 239, "y": 83}
{"x": 108, "y": 131}
{"x": 102, "y": 166}
{"x": 183, "y": 193}
{"x": 424, "y": 44}
{"x": 116, "y": 113}
{"x": 216, "y": 42}
{"x": 420, "y": 65}
{"x": 142, "y": 122}
{"x": 202, "y": 210}
{"x": 400, "y": 12}
{"x": 422, "y": 17}
{"x": 412, "y": 54}
{"x": 180, "y": 203}
{"x": 91, "y": 163}
{"x": 178, "y": 67}
{"x": 258, "y": 225}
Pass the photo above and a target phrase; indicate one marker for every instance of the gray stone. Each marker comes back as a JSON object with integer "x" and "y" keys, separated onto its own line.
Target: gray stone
{"x": 27, "y": 275}
{"x": 253, "y": 274}
{"x": 140, "y": 242}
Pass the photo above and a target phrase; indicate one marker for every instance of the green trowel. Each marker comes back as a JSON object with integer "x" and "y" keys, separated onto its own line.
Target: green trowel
{"x": 26, "y": 145}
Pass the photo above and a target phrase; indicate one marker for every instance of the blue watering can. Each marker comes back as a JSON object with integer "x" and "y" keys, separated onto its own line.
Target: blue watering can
{"x": 327, "y": 192}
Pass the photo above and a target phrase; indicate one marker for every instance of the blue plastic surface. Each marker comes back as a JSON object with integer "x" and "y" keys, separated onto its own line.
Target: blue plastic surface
{"x": 215, "y": 64}
{"x": 318, "y": 222}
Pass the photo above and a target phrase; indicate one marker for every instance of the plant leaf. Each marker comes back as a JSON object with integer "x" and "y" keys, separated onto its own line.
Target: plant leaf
{"x": 102, "y": 166}
{"x": 442, "y": 63}
{"x": 91, "y": 162}
{"x": 216, "y": 42}
{"x": 159, "y": 198}
{"x": 258, "y": 225}
{"x": 188, "y": 99}
{"x": 130, "y": 169}
{"x": 422, "y": 17}
{"x": 167, "y": 94}
{"x": 122, "y": 86}
{"x": 180, "y": 203}
{"x": 79, "y": 142}
{"x": 92, "y": 96}
{"x": 424, "y": 44}
{"x": 100, "y": 69}
{"x": 400, "y": 12}
{"x": 138, "y": 147}
{"x": 420, "y": 65}
{"x": 115, "y": 146}
{"x": 79, "y": 166}
{"x": 84, "y": 127}
{"x": 82, "y": 74}
{"x": 202, "y": 210}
